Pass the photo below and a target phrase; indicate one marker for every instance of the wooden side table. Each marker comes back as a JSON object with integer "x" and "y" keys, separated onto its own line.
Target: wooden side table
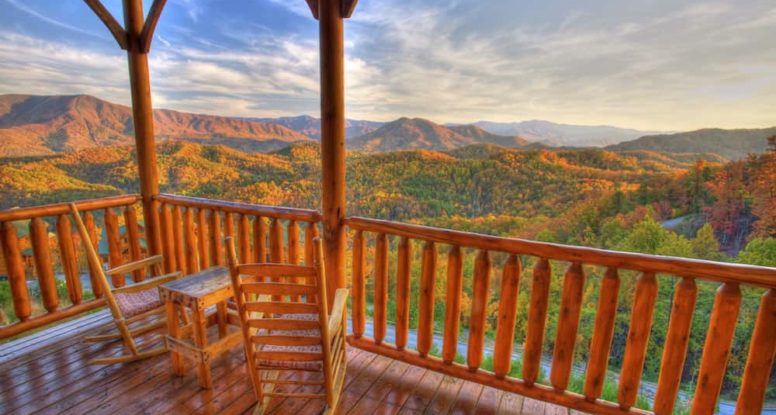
{"x": 197, "y": 292}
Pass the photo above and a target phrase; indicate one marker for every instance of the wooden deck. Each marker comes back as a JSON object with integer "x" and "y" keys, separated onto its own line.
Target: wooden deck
{"x": 47, "y": 373}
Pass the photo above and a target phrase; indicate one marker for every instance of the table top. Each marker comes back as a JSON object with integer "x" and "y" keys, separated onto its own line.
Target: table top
{"x": 202, "y": 288}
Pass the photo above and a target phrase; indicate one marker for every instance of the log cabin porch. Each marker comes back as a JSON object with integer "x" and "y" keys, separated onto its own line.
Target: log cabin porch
{"x": 46, "y": 371}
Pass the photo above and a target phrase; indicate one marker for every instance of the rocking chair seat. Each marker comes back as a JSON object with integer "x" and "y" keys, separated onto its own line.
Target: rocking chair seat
{"x": 136, "y": 303}
{"x": 314, "y": 365}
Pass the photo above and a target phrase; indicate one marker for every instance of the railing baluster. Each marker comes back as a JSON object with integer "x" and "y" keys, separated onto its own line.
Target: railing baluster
{"x": 760, "y": 360}
{"x": 177, "y": 234}
{"x": 426, "y": 303}
{"x": 638, "y": 339}
{"x": 675, "y": 347}
{"x": 481, "y": 282}
{"x": 190, "y": 236}
{"x": 310, "y": 233}
{"x": 403, "y": 292}
{"x": 244, "y": 233}
{"x": 507, "y": 316}
{"x": 94, "y": 235}
{"x": 358, "y": 290}
{"x": 114, "y": 246}
{"x": 275, "y": 247}
{"x": 381, "y": 286}
{"x": 43, "y": 264}
{"x": 537, "y": 319}
{"x": 69, "y": 259}
{"x": 133, "y": 237}
{"x": 168, "y": 239}
{"x": 602, "y": 334}
{"x": 293, "y": 251}
{"x": 216, "y": 250}
{"x": 16, "y": 277}
{"x": 228, "y": 227}
{"x": 453, "y": 304}
{"x": 568, "y": 323}
{"x": 260, "y": 240}
{"x": 716, "y": 348}
{"x": 203, "y": 239}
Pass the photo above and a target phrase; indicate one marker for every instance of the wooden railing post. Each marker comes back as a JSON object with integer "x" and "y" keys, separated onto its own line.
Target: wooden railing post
{"x": 426, "y": 303}
{"x": 16, "y": 277}
{"x": 143, "y": 120}
{"x": 114, "y": 245}
{"x": 332, "y": 65}
{"x": 403, "y": 292}
{"x": 716, "y": 348}
{"x": 537, "y": 319}
{"x": 358, "y": 290}
{"x": 507, "y": 315}
{"x": 568, "y": 323}
{"x": 760, "y": 360}
{"x": 69, "y": 259}
{"x": 133, "y": 236}
{"x": 638, "y": 339}
{"x": 481, "y": 282}
{"x": 380, "y": 286}
{"x": 453, "y": 304}
{"x": 603, "y": 332}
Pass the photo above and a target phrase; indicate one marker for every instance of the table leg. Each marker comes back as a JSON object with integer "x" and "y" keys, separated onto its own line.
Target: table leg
{"x": 221, "y": 310}
{"x": 199, "y": 323}
{"x": 174, "y": 330}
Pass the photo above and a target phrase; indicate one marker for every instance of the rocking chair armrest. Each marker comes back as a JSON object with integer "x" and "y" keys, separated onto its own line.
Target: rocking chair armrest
{"x": 338, "y": 309}
{"x": 132, "y": 266}
{"x": 147, "y": 284}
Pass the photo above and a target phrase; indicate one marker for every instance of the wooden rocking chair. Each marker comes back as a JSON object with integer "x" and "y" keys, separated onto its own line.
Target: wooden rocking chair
{"x": 131, "y": 304}
{"x": 282, "y": 332}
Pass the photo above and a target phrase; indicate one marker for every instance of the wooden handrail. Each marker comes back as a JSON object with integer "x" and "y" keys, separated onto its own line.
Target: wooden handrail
{"x": 63, "y": 208}
{"x": 279, "y": 212}
{"x": 718, "y": 271}
{"x": 576, "y": 261}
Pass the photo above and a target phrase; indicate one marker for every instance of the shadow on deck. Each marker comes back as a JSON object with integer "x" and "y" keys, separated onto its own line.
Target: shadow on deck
{"x": 47, "y": 372}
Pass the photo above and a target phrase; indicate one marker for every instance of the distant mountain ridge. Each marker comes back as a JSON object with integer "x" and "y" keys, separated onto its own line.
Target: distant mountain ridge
{"x": 554, "y": 134}
{"x": 311, "y": 126}
{"x": 39, "y": 125}
{"x": 421, "y": 134}
{"x": 731, "y": 144}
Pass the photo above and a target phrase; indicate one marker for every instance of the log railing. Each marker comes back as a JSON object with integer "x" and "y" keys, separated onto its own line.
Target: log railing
{"x": 576, "y": 260}
{"x": 55, "y": 252}
{"x": 193, "y": 232}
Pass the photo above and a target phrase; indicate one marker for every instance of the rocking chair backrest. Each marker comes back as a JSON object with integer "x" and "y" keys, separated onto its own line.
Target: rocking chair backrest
{"x": 95, "y": 263}
{"x": 279, "y": 327}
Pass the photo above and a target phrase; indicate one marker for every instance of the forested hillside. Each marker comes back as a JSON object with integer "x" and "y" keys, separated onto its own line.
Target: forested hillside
{"x": 614, "y": 200}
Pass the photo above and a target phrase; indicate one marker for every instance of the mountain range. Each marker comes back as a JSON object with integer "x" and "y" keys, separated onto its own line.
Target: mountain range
{"x": 421, "y": 134}
{"x": 44, "y": 125}
{"x": 38, "y": 125}
{"x": 731, "y": 144}
{"x": 567, "y": 135}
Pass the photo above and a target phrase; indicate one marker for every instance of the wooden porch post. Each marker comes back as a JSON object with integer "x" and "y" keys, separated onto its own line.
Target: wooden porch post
{"x": 135, "y": 37}
{"x": 332, "y": 55}
{"x": 142, "y": 117}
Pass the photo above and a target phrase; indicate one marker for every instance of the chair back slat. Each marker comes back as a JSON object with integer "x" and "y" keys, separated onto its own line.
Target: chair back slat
{"x": 281, "y": 307}
{"x": 286, "y": 340}
{"x": 282, "y": 324}
{"x": 278, "y": 288}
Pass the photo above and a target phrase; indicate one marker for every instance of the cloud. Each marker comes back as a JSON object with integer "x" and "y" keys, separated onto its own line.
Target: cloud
{"x": 661, "y": 66}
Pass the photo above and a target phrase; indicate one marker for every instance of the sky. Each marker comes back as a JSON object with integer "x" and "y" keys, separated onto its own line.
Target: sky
{"x": 646, "y": 64}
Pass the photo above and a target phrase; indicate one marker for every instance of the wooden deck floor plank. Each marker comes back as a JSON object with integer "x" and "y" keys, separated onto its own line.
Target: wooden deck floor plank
{"x": 467, "y": 398}
{"x": 511, "y": 404}
{"x": 399, "y": 395}
{"x": 489, "y": 401}
{"x": 423, "y": 392}
{"x": 533, "y": 407}
{"x": 445, "y": 397}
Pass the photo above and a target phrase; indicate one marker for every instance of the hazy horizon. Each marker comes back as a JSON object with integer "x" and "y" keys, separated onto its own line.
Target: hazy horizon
{"x": 656, "y": 66}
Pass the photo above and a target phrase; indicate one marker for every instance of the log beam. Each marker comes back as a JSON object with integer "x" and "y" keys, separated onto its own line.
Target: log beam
{"x": 332, "y": 56}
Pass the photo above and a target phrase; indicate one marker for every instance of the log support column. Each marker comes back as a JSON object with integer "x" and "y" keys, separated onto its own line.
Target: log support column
{"x": 330, "y": 14}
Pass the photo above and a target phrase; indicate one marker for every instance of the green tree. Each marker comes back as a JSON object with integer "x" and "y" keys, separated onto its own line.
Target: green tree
{"x": 705, "y": 244}
{"x": 759, "y": 251}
